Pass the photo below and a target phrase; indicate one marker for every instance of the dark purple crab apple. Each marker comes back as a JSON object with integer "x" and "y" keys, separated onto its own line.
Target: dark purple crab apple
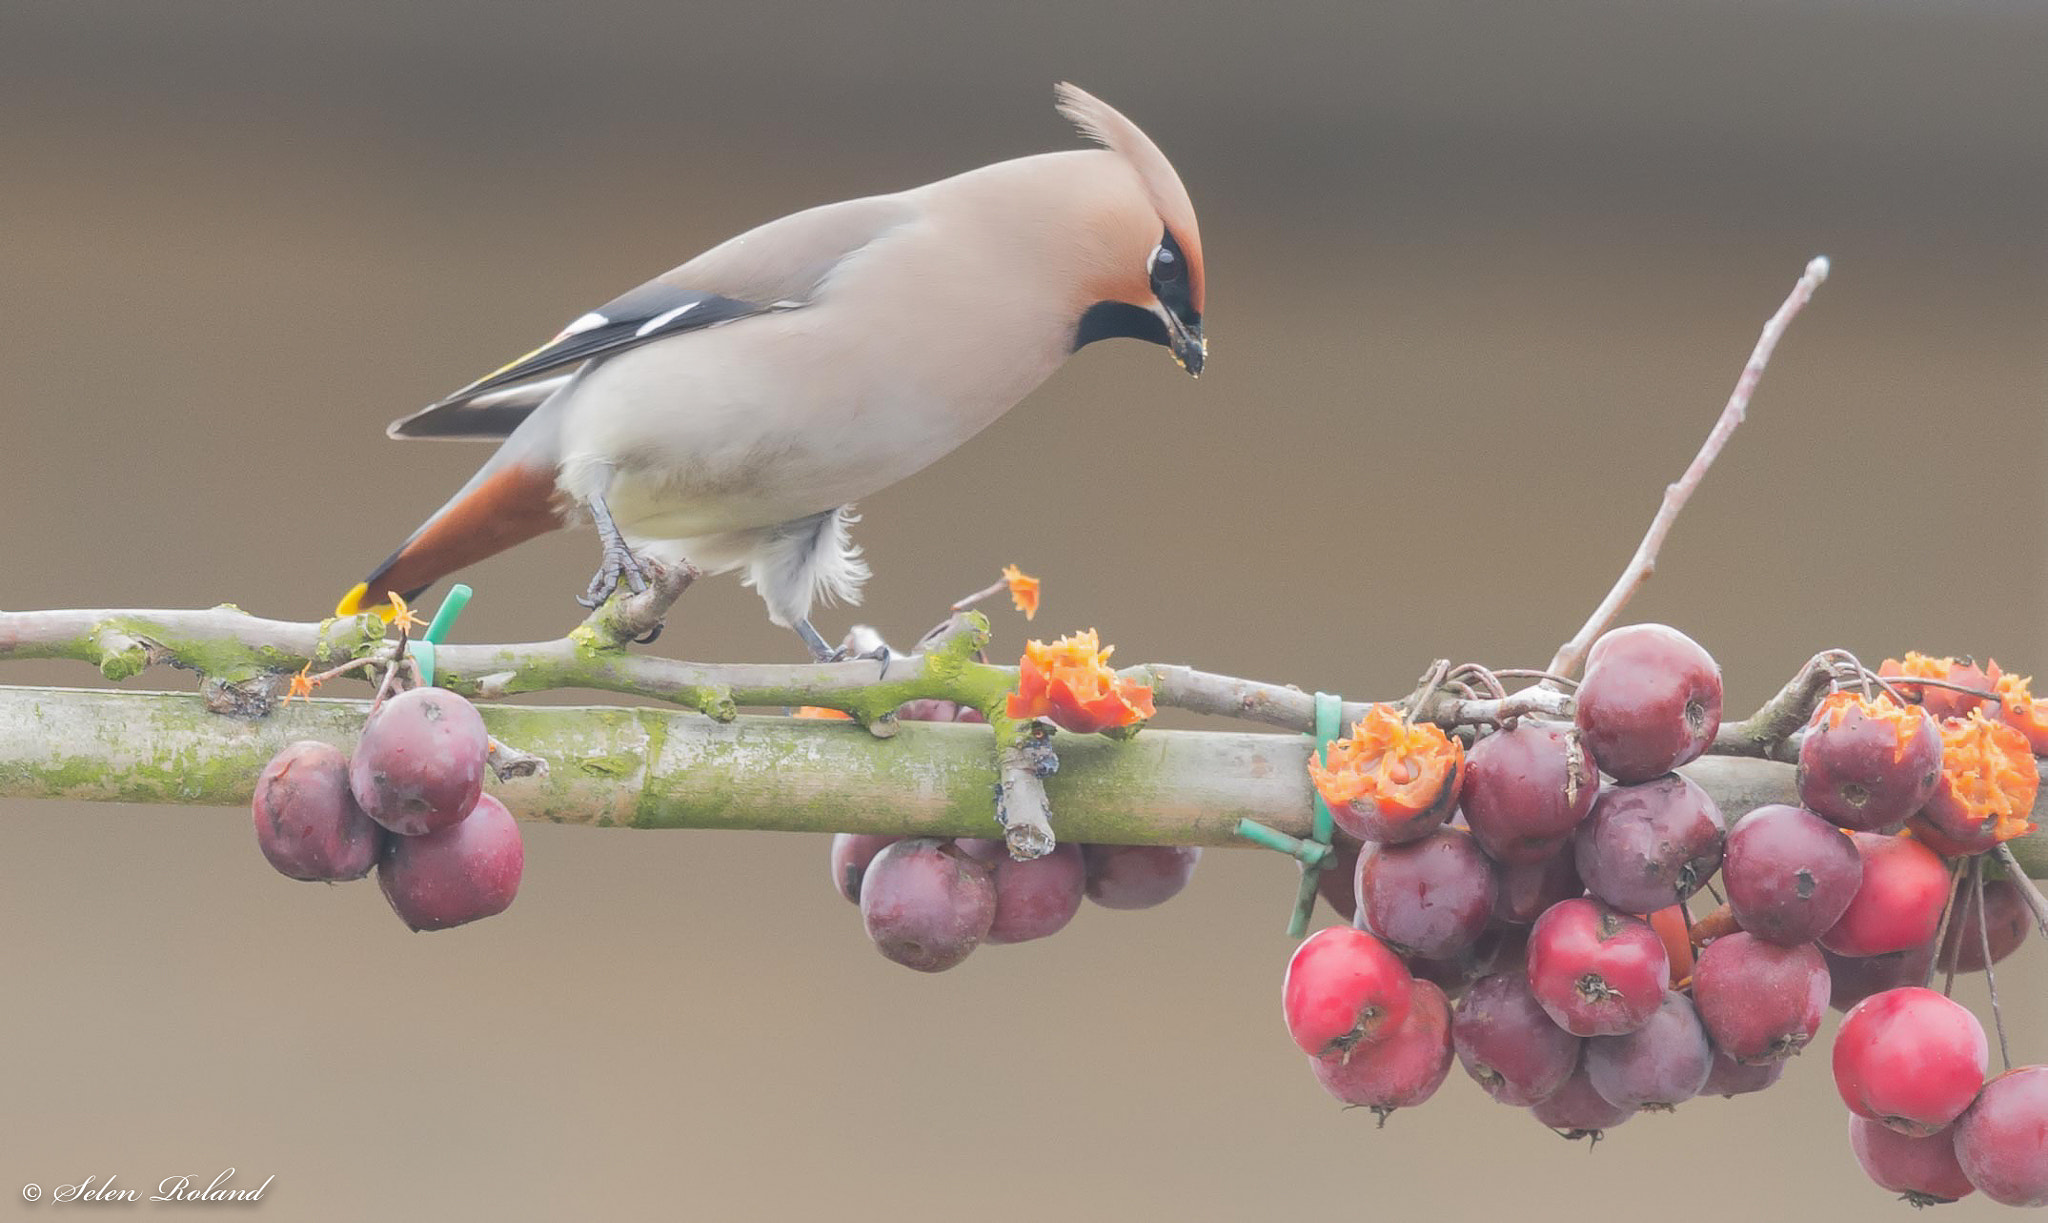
{"x": 1508, "y": 1044}
{"x": 851, "y": 854}
{"x": 308, "y": 824}
{"x": 1034, "y": 898}
{"x": 1576, "y": 1110}
{"x": 1923, "y": 1170}
{"x": 1529, "y": 888}
{"x": 1851, "y": 979}
{"x": 1649, "y": 846}
{"x": 1731, "y": 1078}
{"x": 457, "y": 874}
{"x": 926, "y": 904}
{"x": 1430, "y": 898}
{"x": 1526, "y": 789}
{"x": 1760, "y": 1002}
{"x": 2002, "y": 1141}
{"x": 1650, "y": 701}
{"x": 420, "y": 763}
{"x": 1963, "y": 947}
{"x": 1790, "y": 874}
{"x": 1138, "y": 876}
{"x": 1662, "y": 1064}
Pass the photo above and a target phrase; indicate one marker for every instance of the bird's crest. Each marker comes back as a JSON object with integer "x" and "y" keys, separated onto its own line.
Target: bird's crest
{"x": 1107, "y": 126}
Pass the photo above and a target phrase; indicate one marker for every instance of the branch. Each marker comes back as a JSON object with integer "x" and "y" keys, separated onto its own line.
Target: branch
{"x": 1644, "y": 562}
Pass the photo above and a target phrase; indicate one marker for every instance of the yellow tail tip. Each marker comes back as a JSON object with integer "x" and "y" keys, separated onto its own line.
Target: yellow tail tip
{"x": 352, "y": 604}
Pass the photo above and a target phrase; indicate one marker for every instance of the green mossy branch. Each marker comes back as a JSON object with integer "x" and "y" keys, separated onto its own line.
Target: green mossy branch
{"x": 657, "y": 768}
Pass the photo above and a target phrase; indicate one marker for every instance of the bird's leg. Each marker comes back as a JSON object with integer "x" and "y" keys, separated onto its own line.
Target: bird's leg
{"x": 820, "y": 652}
{"x": 619, "y": 561}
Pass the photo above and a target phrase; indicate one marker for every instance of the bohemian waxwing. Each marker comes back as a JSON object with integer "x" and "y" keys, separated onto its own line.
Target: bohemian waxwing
{"x": 729, "y": 412}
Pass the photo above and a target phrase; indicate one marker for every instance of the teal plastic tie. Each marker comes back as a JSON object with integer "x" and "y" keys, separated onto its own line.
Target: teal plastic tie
{"x": 438, "y": 629}
{"x": 1329, "y": 718}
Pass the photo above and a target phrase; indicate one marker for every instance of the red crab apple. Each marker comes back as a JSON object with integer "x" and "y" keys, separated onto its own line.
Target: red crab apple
{"x": 1596, "y": 972}
{"x": 1650, "y": 701}
{"x": 1909, "y": 1058}
{"x": 308, "y": 824}
{"x": 457, "y": 874}
{"x": 2002, "y": 1141}
{"x": 1898, "y": 903}
{"x": 420, "y": 763}
{"x": 1344, "y": 990}
{"x": 1403, "y": 1070}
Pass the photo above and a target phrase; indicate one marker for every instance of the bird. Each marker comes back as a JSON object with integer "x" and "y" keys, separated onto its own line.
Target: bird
{"x": 730, "y": 412}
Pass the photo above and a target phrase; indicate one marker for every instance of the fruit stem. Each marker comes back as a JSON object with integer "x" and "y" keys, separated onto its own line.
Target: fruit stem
{"x": 1984, "y": 945}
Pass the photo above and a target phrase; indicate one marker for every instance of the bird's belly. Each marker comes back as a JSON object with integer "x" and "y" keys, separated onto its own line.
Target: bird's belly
{"x": 692, "y": 455}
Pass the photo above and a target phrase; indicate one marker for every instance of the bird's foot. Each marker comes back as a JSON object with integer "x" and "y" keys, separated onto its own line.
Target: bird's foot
{"x": 881, "y": 653}
{"x": 619, "y": 564}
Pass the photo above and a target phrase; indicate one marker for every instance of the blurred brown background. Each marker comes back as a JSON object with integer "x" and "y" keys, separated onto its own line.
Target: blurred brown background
{"x": 1481, "y": 275}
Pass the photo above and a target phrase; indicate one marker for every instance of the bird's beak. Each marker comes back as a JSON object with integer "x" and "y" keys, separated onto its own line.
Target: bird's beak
{"x": 1189, "y": 349}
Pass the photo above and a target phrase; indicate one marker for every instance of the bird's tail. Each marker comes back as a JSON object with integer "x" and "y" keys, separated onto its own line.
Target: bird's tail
{"x": 506, "y": 503}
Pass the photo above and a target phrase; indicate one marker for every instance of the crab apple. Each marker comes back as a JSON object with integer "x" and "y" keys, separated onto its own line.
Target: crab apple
{"x": 1963, "y": 948}
{"x": 1344, "y": 991}
{"x": 1034, "y": 898}
{"x": 1526, "y": 789}
{"x": 1596, "y": 972}
{"x": 851, "y": 854}
{"x": 1528, "y": 888}
{"x": 1650, "y": 701}
{"x": 1909, "y": 1058}
{"x": 1650, "y": 846}
{"x": 1338, "y": 880}
{"x": 1851, "y": 979}
{"x": 1508, "y": 1044}
{"x": 1790, "y": 874}
{"x": 1403, "y": 1070}
{"x": 926, "y": 904}
{"x": 2002, "y": 1141}
{"x": 1662, "y": 1064}
{"x": 1138, "y": 876}
{"x": 1391, "y": 781}
{"x": 1731, "y": 1078}
{"x": 1923, "y": 1170}
{"x": 928, "y": 709}
{"x": 1576, "y": 1110}
{"x": 1898, "y": 903}
{"x": 308, "y": 824}
{"x": 1868, "y": 763}
{"x": 1431, "y": 898}
{"x": 1941, "y": 702}
{"x": 1760, "y": 1002}
{"x": 420, "y": 763}
{"x": 1986, "y": 789}
{"x": 457, "y": 874}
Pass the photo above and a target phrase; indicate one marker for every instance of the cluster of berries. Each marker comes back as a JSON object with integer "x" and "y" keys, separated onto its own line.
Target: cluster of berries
{"x": 1551, "y": 906}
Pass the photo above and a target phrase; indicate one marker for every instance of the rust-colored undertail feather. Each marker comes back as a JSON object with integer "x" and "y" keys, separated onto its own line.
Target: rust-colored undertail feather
{"x": 503, "y": 508}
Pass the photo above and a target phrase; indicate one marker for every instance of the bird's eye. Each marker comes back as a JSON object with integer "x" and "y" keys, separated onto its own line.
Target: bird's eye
{"x": 1165, "y": 266}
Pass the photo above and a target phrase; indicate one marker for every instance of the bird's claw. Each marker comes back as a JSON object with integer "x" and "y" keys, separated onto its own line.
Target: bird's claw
{"x": 880, "y": 653}
{"x": 619, "y": 563}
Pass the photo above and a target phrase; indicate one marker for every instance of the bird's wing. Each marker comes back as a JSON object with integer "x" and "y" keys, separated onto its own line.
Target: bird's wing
{"x": 777, "y": 266}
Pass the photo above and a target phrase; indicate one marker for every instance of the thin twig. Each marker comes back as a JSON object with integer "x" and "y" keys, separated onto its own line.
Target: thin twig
{"x": 1948, "y": 904}
{"x": 1644, "y": 562}
{"x": 1984, "y": 945}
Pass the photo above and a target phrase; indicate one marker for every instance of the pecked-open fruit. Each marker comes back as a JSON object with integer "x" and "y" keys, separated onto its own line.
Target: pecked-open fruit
{"x": 1868, "y": 763}
{"x": 1391, "y": 781}
{"x": 1941, "y": 702}
{"x": 1988, "y": 781}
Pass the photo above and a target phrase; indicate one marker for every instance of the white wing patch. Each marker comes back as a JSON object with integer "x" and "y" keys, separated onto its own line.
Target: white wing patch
{"x": 589, "y": 322}
{"x": 664, "y": 319}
